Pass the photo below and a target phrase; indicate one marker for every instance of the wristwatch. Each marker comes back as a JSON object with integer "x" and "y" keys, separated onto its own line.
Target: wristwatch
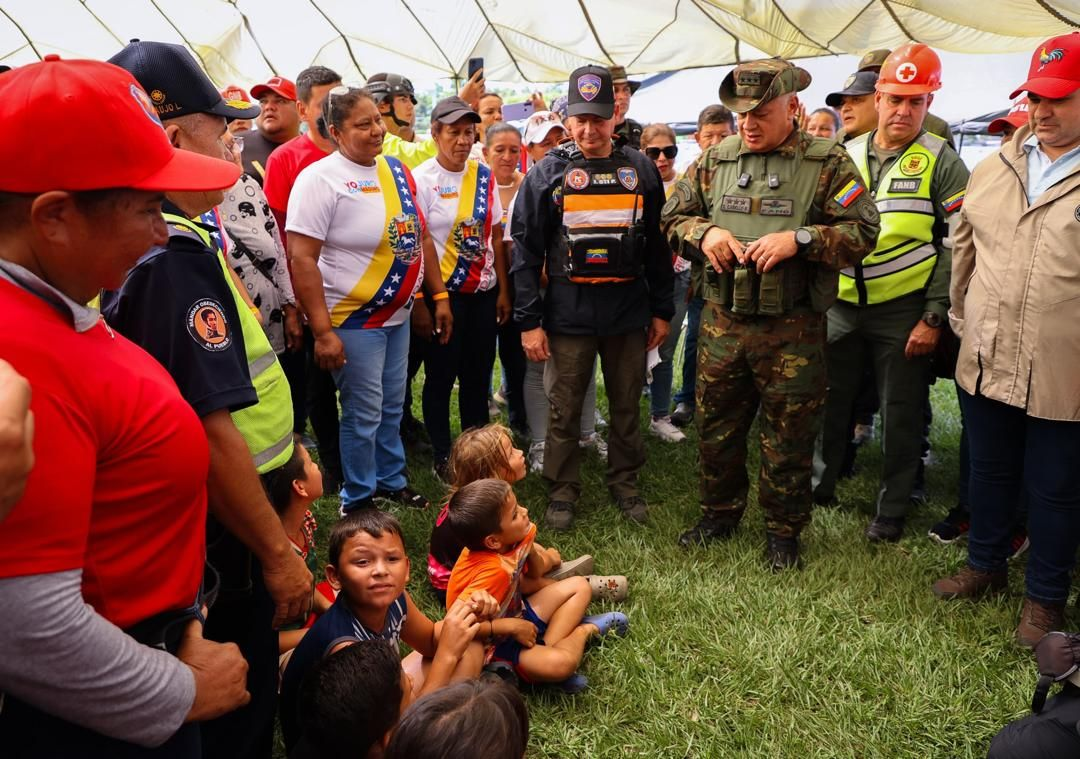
{"x": 803, "y": 238}
{"x": 932, "y": 319}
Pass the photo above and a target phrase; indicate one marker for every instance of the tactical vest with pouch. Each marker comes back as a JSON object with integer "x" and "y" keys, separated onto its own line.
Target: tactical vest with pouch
{"x": 603, "y": 234}
{"x": 755, "y": 194}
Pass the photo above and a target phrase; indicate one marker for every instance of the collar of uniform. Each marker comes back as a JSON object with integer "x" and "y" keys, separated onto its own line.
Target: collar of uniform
{"x": 788, "y": 148}
{"x": 171, "y": 208}
{"x": 82, "y": 317}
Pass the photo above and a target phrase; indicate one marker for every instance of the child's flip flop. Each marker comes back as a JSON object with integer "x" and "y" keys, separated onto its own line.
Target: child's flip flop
{"x": 582, "y": 565}
{"x": 605, "y": 623}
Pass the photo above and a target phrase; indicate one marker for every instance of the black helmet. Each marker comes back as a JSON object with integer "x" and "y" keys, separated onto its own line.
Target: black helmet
{"x": 383, "y": 86}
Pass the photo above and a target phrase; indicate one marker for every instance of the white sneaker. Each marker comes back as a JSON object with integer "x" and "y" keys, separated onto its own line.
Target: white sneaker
{"x": 536, "y": 458}
{"x": 598, "y": 420}
{"x": 662, "y": 427}
{"x": 595, "y": 442}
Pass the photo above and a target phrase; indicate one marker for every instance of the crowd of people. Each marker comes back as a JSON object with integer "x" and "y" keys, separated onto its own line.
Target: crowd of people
{"x": 273, "y": 254}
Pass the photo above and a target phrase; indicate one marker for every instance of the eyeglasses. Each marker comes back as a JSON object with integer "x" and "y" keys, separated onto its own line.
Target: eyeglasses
{"x": 669, "y": 151}
{"x": 340, "y": 91}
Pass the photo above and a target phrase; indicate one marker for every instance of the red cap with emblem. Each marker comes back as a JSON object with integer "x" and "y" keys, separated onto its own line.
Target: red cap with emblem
{"x": 1055, "y": 68}
{"x": 278, "y": 84}
{"x": 88, "y": 125}
{"x": 1016, "y": 117}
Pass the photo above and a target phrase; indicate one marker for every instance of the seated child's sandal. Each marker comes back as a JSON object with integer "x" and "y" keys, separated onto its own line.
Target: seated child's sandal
{"x": 612, "y": 621}
{"x": 608, "y": 587}
{"x": 574, "y": 684}
{"x": 581, "y": 566}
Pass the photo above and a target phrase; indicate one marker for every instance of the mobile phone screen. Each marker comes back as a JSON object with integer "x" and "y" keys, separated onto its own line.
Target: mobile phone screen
{"x": 475, "y": 64}
{"x": 517, "y": 111}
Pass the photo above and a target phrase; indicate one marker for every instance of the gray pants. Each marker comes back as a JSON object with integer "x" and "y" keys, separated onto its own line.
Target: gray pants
{"x": 537, "y": 406}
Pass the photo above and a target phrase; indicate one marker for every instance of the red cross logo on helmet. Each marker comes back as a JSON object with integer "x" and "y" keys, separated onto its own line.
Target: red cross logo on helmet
{"x": 906, "y": 72}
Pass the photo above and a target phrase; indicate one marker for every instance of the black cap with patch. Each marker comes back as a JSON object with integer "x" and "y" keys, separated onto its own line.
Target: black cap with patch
{"x": 176, "y": 84}
{"x": 591, "y": 93}
{"x": 859, "y": 83}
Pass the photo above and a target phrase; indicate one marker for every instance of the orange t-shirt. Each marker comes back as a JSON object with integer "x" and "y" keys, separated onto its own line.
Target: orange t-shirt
{"x": 497, "y": 573}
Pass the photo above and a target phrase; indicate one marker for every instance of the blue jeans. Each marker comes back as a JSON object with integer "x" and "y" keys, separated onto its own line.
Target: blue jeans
{"x": 689, "y": 367}
{"x": 662, "y": 373}
{"x": 372, "y": 387}
{"x": 1010, "y": 452}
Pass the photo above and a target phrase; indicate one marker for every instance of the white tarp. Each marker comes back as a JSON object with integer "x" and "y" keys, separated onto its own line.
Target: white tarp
{"x": 245, "y": 41}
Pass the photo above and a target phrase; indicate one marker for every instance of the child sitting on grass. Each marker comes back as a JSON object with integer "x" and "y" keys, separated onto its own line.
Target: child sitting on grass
{"x": 499, "y": 539}
{"x": 474, "y": 719}
{"x": 486, "y": 452}
{"x": 291, "y": 490}
{"x": 350, "y": 701}
{"x": 369, "y": 567}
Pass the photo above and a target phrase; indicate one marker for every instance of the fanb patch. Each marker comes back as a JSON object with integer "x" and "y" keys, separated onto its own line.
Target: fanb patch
{"x": 577, "y": 178}
{"x": 207, "y": 325}
{"x": 735, "y": 204}
{"x": 913, "y": 165}
{"x": 628, "y": 178}
{"x": 905, "y": 185}
{"x": 776, "y": 207}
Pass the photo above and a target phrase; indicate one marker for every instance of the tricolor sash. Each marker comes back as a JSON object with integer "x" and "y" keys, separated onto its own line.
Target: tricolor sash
{"x": 466, "y": 252}
{"x": 396, "y": 264}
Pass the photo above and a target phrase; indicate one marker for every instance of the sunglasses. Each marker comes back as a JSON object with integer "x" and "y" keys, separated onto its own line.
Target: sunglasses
{"x": 669, "y": 152}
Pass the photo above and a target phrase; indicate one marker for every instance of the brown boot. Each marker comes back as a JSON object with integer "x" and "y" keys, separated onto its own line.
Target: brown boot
{"x": 1036, "y": 620}
{"x": 970, "y": 583}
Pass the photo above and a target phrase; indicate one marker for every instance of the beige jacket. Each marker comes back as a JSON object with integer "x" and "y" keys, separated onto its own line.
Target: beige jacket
{"x": 1016, "y": 288}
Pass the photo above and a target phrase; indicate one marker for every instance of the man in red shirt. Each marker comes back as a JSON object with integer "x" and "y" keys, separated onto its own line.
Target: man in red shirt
{"x": 277, "y": 123}
{"x": 101, "y": 597}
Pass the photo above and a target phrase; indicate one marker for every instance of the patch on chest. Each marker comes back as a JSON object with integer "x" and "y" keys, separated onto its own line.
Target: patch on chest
{"x": 735, "y": 204}
{"x": 905, "y": 185}
{"x": 777, "y": 207}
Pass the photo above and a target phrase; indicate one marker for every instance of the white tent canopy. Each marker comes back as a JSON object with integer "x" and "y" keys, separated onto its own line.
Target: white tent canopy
{"x": 245, "y": 41}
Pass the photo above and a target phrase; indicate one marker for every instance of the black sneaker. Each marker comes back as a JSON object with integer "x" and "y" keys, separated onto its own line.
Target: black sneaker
{"x": 683, "y": 415}
{"x": 414, "y": 435}
{"x": 441, "y": 468}
{"x": 559, "y": 515}
{"x": 406, "y": 497}
{"x": 709, "y": 527}
{"x": 781, "y": 552}
{"x": 885, "y": 529}
{"x": 953, "y": 527}
{"x": 634, "y": 508}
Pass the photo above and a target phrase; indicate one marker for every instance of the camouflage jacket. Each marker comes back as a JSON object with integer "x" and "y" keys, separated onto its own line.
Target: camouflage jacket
{"x": 842, "y": 220}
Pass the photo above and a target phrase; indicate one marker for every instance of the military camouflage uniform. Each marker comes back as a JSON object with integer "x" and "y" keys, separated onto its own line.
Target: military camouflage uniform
{"x": 775, "y": 361}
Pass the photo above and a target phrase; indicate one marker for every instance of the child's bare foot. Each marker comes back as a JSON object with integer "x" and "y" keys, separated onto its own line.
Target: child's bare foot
{"x": 604, "y": 623}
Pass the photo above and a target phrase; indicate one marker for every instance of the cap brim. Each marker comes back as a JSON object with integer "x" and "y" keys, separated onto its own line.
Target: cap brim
{"x": 235, "y": 109}
{"x": 1047, "y": 87}
{"x": 591, "y": 109}
{"x": 905, "y": 89}
{"x": 462, "y": 113}
{"x": 997, "y": 126}
{"x": 836, "y": 99}
{"x": 634, "y": 86}
{"x": 191, "y": 172}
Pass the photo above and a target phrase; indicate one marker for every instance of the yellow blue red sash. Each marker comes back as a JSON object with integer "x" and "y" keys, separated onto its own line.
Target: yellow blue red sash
{"x": 467, "y": 244}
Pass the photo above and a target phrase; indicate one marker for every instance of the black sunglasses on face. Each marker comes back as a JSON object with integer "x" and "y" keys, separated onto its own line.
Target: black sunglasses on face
{"x": 669, "y": 152}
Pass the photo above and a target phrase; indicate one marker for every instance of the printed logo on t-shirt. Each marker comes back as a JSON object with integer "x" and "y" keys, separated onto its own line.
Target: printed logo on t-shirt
{"x": 468, "y": 237}
{"x": 447, "y": 191}
{"x": 207, "y": 325}
{"x": 362, "y": 185}
{"x": 404, "y": 237}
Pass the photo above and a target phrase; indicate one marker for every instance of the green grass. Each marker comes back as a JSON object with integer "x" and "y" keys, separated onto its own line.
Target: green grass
{"x": 851, "y": 657}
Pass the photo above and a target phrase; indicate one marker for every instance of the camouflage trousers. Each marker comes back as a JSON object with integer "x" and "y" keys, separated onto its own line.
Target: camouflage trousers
{"x": 776, "y": 363}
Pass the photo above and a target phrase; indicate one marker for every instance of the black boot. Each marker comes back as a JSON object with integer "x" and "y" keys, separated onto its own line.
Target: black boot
{"x": 781, "y": 552}
{"x": 711, "y": 526}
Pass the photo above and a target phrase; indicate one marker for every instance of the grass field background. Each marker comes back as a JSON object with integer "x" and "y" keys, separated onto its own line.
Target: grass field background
{"x": 850, "y": 657}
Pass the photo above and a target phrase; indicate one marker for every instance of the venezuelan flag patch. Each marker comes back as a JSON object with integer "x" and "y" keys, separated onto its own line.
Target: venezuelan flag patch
{"x": 953, "y": 202}
{"x": 846, "y": 196}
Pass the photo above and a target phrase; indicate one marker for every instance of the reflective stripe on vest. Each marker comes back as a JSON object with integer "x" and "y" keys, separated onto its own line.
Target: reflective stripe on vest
{"x": 267, "y": 426}
{"x": 904, "y": 257}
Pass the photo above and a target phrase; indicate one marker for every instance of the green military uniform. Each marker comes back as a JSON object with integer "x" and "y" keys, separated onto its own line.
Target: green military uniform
{"x": 762, "y": 336}
{"x": 881, "y": 300}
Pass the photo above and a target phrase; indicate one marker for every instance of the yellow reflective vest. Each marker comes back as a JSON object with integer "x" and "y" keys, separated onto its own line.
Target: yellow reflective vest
{"x": 267, "y": 426}
{"x": 905, "y": 255}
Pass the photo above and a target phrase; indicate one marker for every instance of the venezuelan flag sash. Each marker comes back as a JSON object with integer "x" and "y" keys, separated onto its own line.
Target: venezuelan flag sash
{"x": 392, "y": 276}
{"x": 465, "y": 256}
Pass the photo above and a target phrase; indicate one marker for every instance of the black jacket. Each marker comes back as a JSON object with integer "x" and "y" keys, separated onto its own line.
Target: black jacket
{"x": 581, "y": 309}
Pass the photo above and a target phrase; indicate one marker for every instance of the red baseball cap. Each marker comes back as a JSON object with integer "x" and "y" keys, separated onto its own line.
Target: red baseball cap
{"x": 1055, "y": 68}
{"x": 1016, "y": 117}
{"x": 234, "y": 92}
{"x": 278, "y": 84}
{"x": 102, "y": 132}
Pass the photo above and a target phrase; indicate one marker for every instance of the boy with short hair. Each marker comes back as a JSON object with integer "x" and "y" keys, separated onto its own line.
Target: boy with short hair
{"x": 369, "y": 567}
{"x": 498, "y": 538}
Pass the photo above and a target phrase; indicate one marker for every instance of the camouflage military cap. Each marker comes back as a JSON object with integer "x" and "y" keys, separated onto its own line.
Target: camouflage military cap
{"x": 874, "y": 60}
{"x": 748, "y": 85}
